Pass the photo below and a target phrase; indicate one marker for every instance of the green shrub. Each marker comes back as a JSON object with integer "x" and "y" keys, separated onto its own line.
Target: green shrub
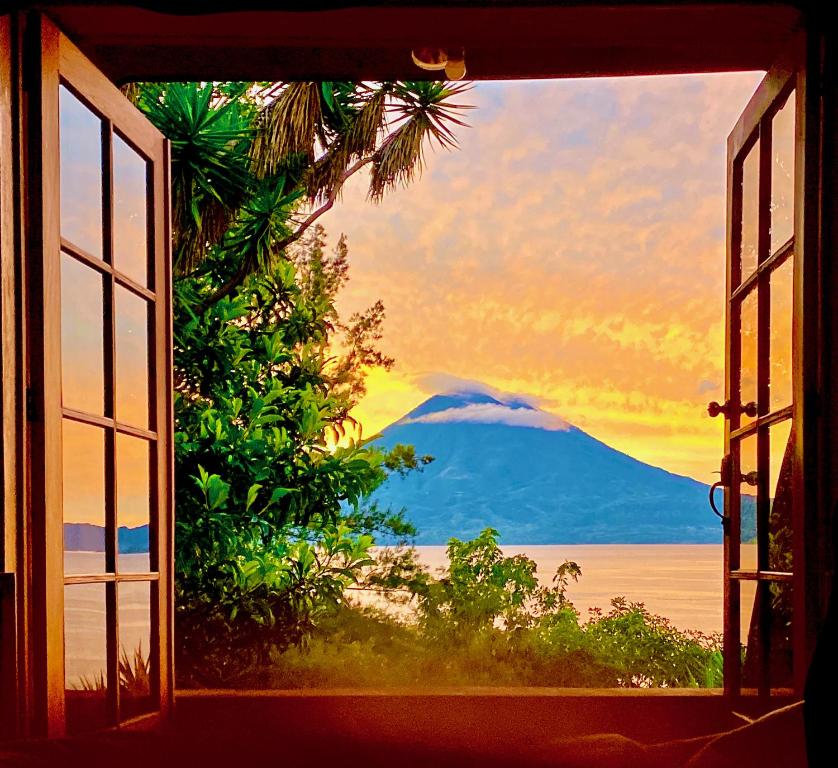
{"x": 486, "y": 621}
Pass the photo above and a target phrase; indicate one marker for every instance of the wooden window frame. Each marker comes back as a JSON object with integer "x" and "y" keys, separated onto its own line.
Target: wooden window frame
{"x": 792, "y": 72}
{"x": 62, "y": 64}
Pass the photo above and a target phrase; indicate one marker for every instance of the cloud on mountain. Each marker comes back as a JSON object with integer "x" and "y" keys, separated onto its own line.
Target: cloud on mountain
{"x": 490, "y": 413}
{"x": 439, "y": 382}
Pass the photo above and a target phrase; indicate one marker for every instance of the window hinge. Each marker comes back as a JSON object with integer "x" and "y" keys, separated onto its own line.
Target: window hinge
{"x": 31, "y": 408}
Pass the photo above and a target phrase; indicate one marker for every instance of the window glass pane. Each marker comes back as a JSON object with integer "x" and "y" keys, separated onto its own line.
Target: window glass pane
{"x": 135, "y": 649}
{"x": 132, "y": 503}
{"x": 750, "y": 212}
{"x": 130, "y": 210}
{"x": 82, "y": 337}
{"x": 780, "y": 655}
{"x": 748, "y": 504}
{"x": 748, "y": 353}
{"x": 782, "y": 174}
{"x": 85, "y": 657}
{"x": 84, "y": 497}
{"x": 779, "y": 486}
{"x": 780, "y": 343}
{"x": 131, "y": 358}
{"x": 81, "y": 174}
{"x": 749, "y": 634}
{"x": 769, "y": 604}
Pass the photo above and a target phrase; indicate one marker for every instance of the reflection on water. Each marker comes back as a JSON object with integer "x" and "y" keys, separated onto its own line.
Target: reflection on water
{"x": 85, "y": 645}
{"x": 85, "y": 657}
{"x": 84, "y": 628}
{"x": 135, "y": 669}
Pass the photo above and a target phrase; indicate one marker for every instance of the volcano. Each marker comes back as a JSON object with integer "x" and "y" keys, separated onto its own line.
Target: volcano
{"x": 502, "y": 462}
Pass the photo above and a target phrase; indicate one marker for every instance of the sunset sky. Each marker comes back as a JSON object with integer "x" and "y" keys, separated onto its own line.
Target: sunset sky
{"x": 571, "y": 251}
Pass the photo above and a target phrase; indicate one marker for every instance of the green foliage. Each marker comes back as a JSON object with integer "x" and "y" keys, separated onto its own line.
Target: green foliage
{"x": 402, "y": 459}
{"x": 270, "y": 525}
{"x": 270, "y": 521}
{"x": 246, "y": 156}
{"x": 485, "y": 599}
{"x": 210, "y": 131}
{"x": 651, "y": 652}
{"x": 486, "y": 621}
{"x": 483, "y": 589}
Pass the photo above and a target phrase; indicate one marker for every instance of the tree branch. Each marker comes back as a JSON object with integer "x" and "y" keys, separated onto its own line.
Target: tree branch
{"x": 245, "y": 269}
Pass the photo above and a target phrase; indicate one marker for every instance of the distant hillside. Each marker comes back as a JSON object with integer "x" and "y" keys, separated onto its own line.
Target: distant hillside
{"x": 84, "y": 537}
{"x": 535, "y": 478}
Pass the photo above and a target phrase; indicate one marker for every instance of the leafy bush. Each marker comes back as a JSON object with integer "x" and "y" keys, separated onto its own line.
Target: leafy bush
{"x": 270, "y": 528}
{"x": 487, "y": 621}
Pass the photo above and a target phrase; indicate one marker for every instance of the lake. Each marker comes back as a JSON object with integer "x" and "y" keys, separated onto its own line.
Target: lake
{"x": 680, "y": 581}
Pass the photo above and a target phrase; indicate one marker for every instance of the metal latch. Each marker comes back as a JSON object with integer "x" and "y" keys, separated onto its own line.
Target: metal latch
{"x": 715, "y": 409}
{"x": 725, "y": 481}
{"x": 725, "y": 476}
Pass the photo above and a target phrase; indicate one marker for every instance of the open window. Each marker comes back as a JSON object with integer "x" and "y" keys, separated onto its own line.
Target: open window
{"x": 769, "y": 378}
{"x": 99, "y": 396}
{"x": 84, "y": 300}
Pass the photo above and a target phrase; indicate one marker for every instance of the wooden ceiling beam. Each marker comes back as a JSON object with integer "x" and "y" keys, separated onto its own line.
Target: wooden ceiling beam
{"x": 520, "y": 41}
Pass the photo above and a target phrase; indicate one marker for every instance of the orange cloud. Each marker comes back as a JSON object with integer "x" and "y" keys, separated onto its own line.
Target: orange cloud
{"x": 573, "y": 250}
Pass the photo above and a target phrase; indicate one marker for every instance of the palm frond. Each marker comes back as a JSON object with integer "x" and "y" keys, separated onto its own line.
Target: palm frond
{"x": 210, "y": 177}
{"x": 262, "y": 226}
{"x": 400, "y": 158}
{"x": 434, "y": 99}
{"x": 359, "y": 138}
{"x": 423, "y": 110}
{"x": 289, "y": 125}
{"x": 326, "y": 176}
{"x": 367, "y": 125}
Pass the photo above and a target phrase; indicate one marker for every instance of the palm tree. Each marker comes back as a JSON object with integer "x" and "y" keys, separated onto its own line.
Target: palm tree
{"x": 255, "y": 165}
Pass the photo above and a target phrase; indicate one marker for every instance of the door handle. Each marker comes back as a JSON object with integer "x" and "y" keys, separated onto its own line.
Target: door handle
{"x": 720, "y": 515}
{"x": 725, "y": 474}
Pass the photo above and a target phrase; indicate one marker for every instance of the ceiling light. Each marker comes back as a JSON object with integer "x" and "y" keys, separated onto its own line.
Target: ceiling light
{"x": 430, "y": 58}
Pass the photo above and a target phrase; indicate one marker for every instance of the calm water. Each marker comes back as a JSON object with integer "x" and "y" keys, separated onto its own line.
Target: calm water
{"x": 680, "y": 581}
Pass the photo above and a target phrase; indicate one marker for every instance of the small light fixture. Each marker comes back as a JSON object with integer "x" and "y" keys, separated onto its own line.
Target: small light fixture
{"x": 435, "y": 59}
{"x": 455, "y": 69}
{"x": 430, "y": 58}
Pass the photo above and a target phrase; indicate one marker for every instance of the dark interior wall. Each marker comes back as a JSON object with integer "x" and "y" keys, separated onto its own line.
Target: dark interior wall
{"x": 822, "y": 681}
{"x": 829, "y": 265}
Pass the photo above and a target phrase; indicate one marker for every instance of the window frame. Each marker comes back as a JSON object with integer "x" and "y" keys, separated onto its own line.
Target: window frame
{"x": 789, "y": 74}
{"x": 62, "y": 64}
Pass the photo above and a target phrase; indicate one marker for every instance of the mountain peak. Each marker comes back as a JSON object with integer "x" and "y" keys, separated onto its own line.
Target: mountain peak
{"x": 479, "y": 407}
